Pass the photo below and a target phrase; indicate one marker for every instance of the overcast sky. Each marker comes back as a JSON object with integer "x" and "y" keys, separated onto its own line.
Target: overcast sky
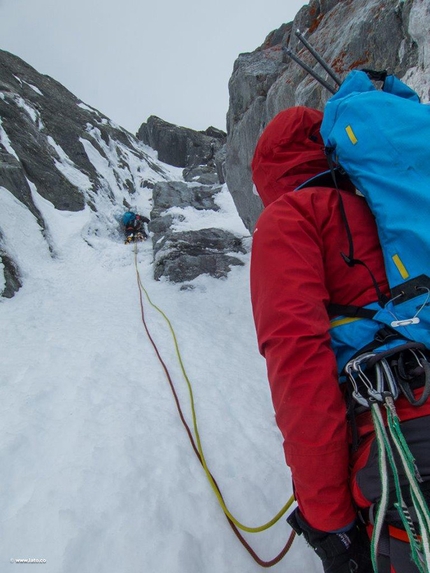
{"x": 132, "y": 58}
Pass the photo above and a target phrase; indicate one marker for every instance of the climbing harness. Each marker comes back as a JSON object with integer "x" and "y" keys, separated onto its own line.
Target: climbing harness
{"x": 196, "y": 441}
{"x": 375, "y": 384}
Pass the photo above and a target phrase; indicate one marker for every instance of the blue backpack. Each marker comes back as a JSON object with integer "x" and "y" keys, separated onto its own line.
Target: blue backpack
{"x": 381, "y": 139}
{"x": 128, "y": 218}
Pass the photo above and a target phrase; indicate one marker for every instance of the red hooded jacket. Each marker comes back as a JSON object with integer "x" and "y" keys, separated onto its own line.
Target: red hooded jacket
{"x": 296, "y": 271}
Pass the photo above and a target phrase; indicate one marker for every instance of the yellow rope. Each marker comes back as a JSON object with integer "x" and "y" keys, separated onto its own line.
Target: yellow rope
{"x": 196, "y": 431}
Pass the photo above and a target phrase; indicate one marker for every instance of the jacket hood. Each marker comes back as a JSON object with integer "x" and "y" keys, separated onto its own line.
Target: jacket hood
{"x": 289, "y": 152}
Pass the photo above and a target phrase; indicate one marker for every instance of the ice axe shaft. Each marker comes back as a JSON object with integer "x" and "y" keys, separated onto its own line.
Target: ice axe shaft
{"x": 308, "y": 69}
{"x": 318, "y": 58}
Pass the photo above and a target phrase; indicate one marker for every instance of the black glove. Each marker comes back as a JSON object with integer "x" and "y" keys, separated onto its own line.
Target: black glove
{"x": 347, "y": 552}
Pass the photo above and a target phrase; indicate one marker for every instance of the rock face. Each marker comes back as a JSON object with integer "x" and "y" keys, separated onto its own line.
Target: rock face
{"x": 181, "y": 256}
{"x": 181, "y": 146}
{"x": 54, "y": 147}
{"x": 42, "y": 123}
{"x": 348, "y": 34}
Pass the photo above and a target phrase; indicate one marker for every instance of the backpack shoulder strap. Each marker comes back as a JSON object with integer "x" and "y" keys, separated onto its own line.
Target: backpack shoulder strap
{"x": 350, "y": 310}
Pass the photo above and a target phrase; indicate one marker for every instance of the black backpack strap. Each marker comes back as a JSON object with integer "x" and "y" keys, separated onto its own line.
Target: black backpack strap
{"x": 350, "y": 311}
{"x": 376, "y": 75}
{"x": 350, "y": 259}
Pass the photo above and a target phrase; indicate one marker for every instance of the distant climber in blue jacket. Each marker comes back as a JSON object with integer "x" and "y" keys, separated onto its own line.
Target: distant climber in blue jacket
{"x": 134, "y": 227}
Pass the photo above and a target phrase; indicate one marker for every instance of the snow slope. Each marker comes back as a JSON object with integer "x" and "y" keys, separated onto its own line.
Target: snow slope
{"x": 97, "y": 473}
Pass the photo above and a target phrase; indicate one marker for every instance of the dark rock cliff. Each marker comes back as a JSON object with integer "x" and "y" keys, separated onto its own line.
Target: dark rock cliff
{"x": 184, "y": 255}
{"x": 41, "y": 121}
{"x": 56, "y": 148}
{"x": 181, "y": 146}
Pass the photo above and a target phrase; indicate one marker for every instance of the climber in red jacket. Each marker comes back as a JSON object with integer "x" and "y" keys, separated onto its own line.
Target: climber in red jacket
{"x": 296, "y": 272}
